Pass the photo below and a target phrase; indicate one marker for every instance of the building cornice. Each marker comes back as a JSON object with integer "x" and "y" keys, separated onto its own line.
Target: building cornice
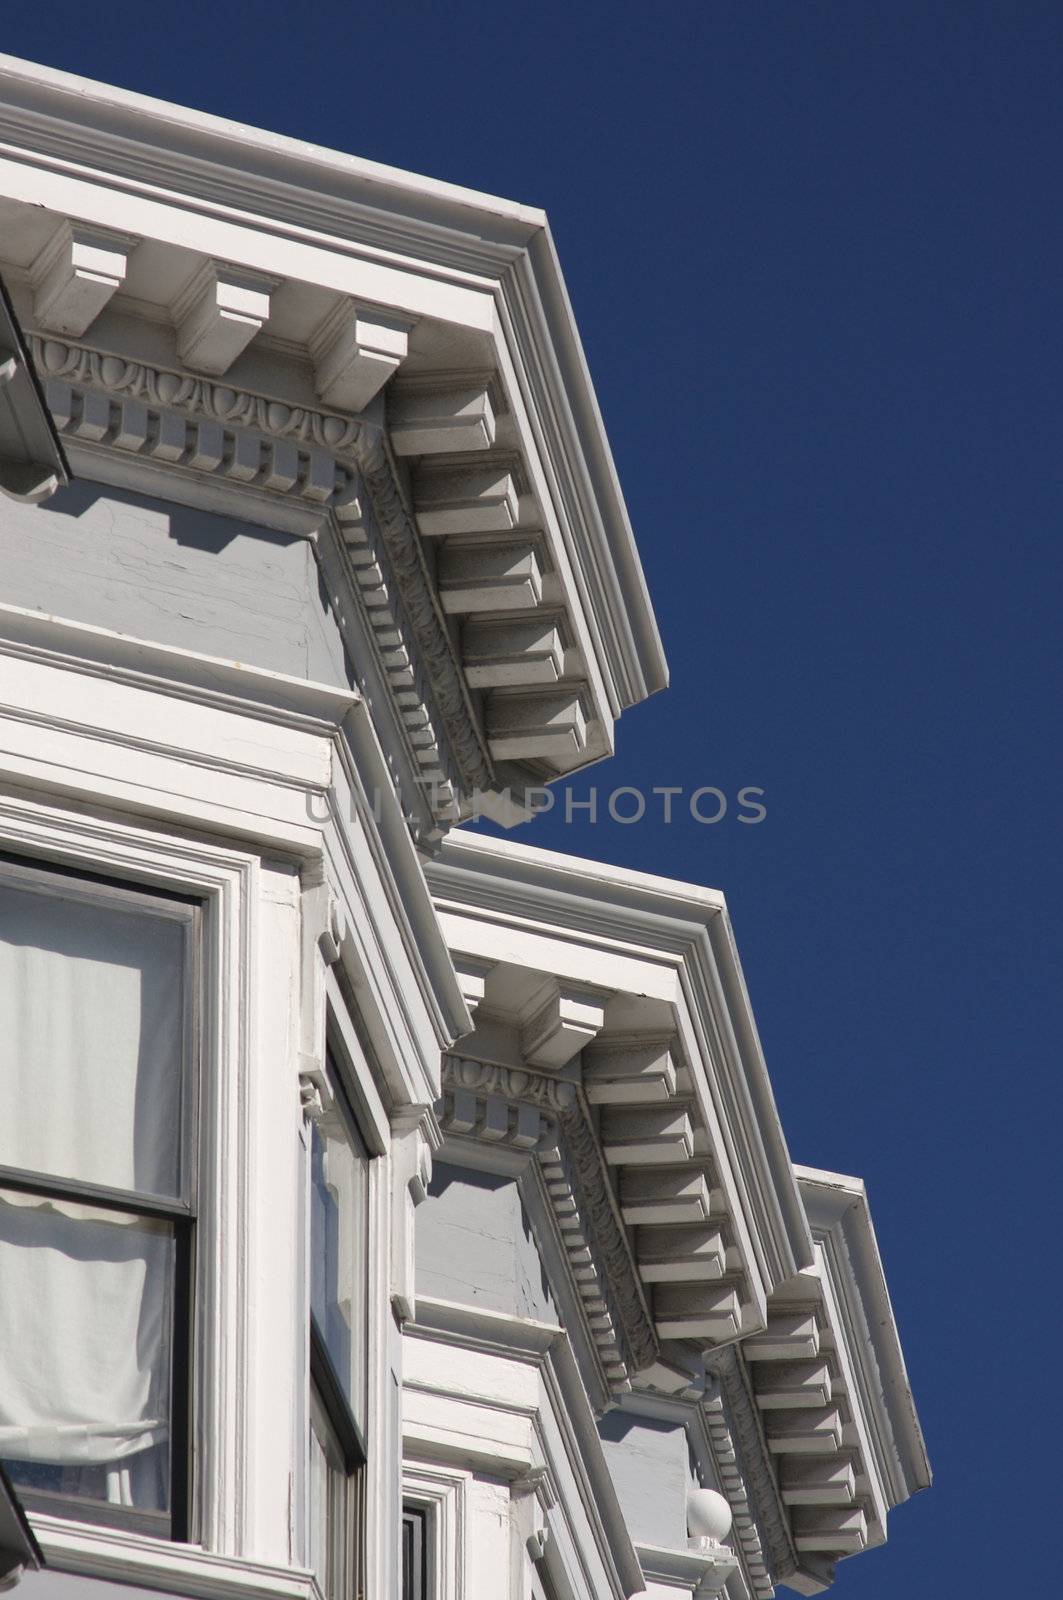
{"x": 506, "y": 245}
{"x": 828, "y": 1379}
{"x": 624, "y": 932}
{"x": 748, "y": 1480}
{"x": 841, "y": 1223}
{"x": 338, "y": 231}
{"x": 151, "y": 138}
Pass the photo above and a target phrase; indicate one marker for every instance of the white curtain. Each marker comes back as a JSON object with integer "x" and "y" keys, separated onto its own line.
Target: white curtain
{"x": 91, "y": 1005}
{"x": 85, "y": 1319}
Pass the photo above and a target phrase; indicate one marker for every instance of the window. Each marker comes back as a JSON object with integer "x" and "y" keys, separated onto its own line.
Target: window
{"x": 97, "y": 1188}
{"x": 339, "y": 1199}
{"x": 415, "y": 1552}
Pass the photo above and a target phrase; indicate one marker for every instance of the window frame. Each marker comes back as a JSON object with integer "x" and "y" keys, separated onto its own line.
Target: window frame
{"x": 440, "y": 1495}
{"x": 416, "y": 1548}
{"x": 343, "y": 1543}
{"x": 66, "y": 882}
{"x": 325, "y": 1384}
{"x": 224, "y": 1421}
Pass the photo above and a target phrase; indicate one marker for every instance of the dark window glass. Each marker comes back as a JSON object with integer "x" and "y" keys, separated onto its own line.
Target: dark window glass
{"x": 414, "y": 1553}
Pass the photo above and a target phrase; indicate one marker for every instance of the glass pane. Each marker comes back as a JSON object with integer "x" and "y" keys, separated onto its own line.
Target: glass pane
{"x": 92, "y": 998}
{"x": 86, "y": 1325}
{"x": 331, "y": 1545}
{"x": 319, "y": 1503}
{"x": 339, "y": 1187}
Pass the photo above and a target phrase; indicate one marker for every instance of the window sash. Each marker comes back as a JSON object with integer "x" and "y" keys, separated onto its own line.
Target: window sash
{"x": 340, "y": 1125}
{"x": 176, "y": 1211}
{"x": 92, "y": 1194}
{"x": 338, "y": 1399}
{"x": 172, "y": 1522}
{"x": 338, "y": 1516}
{"x": 349, "y": 1437}
{"x": 55, "y": 881}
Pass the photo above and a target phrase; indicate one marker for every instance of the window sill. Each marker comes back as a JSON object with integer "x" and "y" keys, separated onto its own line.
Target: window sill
{"x": 95, "y": 1552}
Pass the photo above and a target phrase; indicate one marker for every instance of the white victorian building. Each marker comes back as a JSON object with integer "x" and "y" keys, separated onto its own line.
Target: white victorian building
{"x": 382, "y": 1209}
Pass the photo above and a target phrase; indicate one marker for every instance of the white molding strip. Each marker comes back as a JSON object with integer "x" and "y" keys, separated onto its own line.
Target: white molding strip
{"x": 121, "y": 1557}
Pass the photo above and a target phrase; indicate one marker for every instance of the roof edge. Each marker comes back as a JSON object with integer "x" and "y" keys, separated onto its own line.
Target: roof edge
{"x": 110, "y": 110}
{"x": 837, "y": 1207}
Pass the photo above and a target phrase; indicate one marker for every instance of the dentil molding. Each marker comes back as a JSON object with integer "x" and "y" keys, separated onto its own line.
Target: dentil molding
{"x": 747, "y": 1477}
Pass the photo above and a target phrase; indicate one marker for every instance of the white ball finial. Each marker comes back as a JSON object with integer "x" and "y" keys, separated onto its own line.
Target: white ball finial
{"x": 708, "y": 1515}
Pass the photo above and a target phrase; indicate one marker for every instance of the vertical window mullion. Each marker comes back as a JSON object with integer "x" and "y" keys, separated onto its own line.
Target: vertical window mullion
{"x": 181, "y": 1382}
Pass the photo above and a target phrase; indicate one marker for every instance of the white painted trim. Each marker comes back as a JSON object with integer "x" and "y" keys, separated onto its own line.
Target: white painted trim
{"x": 702, "y": 1573}
{"x": 186, "y": 674}
{"x": 111, "y": 110}
{"x": 108, "y": 719}
{"x": 372, "y": 1113}
{"x": 382, "y": 1463}
{"x": 512, "y": 1384}
{"x": 865, "y": 1328}
{"x": 227, "y": 1293}
{"x": 444, "y": 1493}
{"x": 106, "y": 1553}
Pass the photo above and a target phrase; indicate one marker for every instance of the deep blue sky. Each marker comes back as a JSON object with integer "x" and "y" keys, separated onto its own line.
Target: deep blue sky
{"x": 815, "y": 254}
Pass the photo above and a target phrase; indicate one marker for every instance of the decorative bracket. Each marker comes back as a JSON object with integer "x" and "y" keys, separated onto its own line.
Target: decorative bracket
{"x": 76, "y": 274}
{"x": 558, "y": 1022}
{"x": 355, "y": 352}
{"x": 315, "y": 1091}
{"x": 219, "y": 314}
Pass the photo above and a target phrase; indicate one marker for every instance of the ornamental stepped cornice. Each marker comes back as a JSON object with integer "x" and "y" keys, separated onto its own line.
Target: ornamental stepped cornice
{"x": 829, "y": 1380}
{"x": 613, "y": 1039}
{"x": 545, "y": 1114}
{"x": 627, "y": 1030}
{"x": 423, "y": 413}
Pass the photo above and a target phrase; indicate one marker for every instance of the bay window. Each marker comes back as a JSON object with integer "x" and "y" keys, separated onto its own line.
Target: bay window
{"x": 98, "y": 1034}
